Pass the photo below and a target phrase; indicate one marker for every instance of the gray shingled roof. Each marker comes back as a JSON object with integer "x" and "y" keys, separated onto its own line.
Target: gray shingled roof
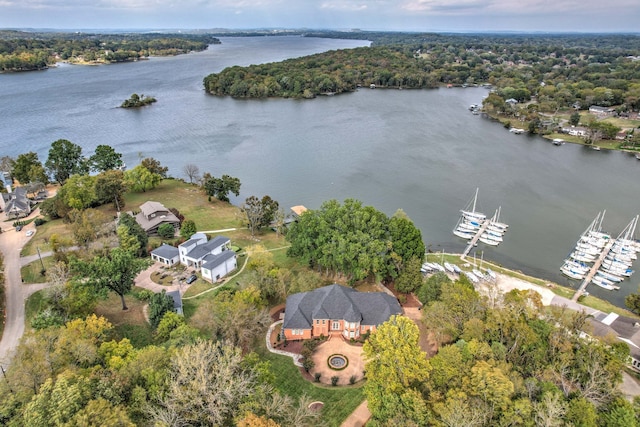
{"x": 177, "y": 300}
{"x": 339, "y": 302}
{"x": 166, "y": 251}
{"x": 17, "y": 201}
{"x": 218, "y": 241}
{"x": 212, "y": 261}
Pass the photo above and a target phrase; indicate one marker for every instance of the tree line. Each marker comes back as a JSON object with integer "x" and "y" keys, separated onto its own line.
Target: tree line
{"x": 23, "y": 51}
{"x": 556, "y": 71}
{"x": 502, "y": 360}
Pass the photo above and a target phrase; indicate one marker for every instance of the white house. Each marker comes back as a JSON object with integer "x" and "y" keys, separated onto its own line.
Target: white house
{"x": 213, "y": 258}
{"x": 166, "y": 254}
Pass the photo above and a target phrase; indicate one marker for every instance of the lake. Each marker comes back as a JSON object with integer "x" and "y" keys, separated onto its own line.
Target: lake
{"x": 417, "y": 150}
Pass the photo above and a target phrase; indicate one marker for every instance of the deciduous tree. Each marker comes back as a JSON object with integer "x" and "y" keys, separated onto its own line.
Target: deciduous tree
{"x": 192, "y": 172}
{"x": 114, "y": 272}
{"x": 154, "y": 166}
{"x": 221, "y": 187}
{"x": 27, "y": 168}
{"x": 206, "y": 386}
{"x": 396, "y": 369}
{"x": 105, "y": 158}
{"x": 159, "y": 304}
{"x": 188, "y": 229}
{"x": 110, "y": 188}
{"x": 65, "y": 159}
{"x": 141, "y": 179}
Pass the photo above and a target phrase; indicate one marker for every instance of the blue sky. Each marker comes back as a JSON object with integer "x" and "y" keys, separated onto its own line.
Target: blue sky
{"x": 407, "y": 15}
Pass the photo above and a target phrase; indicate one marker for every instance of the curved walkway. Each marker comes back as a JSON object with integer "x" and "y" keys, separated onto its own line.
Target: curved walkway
{"x": 296, "y": 357}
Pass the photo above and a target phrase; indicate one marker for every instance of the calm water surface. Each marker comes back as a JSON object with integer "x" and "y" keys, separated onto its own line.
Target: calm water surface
{"x": 421, "y": 151}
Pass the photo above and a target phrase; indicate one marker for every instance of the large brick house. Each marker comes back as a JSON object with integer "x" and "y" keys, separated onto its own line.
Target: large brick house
{"x": 336, "y": 309}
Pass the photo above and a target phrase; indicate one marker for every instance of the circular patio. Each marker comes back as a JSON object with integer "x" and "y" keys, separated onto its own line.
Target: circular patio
{"x": 337, "y": 346}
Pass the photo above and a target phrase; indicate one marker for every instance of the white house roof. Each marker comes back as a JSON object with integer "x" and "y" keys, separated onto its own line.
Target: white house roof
{"x": 166, "y": 251}
{"x": 212, "y": 261}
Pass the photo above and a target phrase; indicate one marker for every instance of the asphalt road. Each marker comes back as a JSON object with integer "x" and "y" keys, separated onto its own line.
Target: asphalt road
{"x": 16, "y": 293}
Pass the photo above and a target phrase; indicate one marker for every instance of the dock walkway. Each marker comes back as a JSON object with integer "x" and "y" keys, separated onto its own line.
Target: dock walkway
{"x": 594, "y": 269}
{"x": 474, "y": 241}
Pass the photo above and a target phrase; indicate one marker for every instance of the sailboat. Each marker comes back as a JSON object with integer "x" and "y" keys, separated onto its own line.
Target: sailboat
{"x": 470, "y": 210}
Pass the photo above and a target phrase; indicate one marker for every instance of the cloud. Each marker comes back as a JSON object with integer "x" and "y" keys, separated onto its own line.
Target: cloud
{"x": 411, "y": 15}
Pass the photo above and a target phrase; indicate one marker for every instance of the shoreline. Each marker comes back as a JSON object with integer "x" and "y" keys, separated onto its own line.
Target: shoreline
{"x": 545, "y": 288}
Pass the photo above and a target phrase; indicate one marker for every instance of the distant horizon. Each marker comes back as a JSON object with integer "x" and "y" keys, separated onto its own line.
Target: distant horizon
{"x": 440, "y": 16}
{"x": 302, "y": 29}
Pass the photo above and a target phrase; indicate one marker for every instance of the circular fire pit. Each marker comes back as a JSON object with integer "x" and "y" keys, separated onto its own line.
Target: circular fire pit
{"x": 337, "y": 362}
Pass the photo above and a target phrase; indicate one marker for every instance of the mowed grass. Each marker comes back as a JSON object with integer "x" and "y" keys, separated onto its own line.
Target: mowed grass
{"x": 192, "y": 202}
{"x": 339, "y": 402}
{"x": 43, "y": 233}
{"x": 129, "y": 323}
{"x": 32, "y": 272}
{"x": 34, "y": 304}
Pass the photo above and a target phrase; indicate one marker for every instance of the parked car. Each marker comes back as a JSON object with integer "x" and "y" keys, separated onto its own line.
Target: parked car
{"x": 18, "y": 228}
{"x": 30, "y": 233}
{"x": 191, "y": 279}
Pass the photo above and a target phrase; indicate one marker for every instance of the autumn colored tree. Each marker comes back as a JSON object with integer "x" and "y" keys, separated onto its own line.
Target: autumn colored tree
{"x": 396, "y": 368}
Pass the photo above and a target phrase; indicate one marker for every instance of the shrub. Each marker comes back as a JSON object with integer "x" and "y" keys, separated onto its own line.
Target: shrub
{"x": 142, "y": 295}
{"x": 158, "y": 306}
{"x": 39, "y": 221}
{"x": 308, "y": 362}
{"x": 312, "y": 344}
{"x": 317, "y": 376}
{"x": 166, "y": 231}
{"x": 352, "y": 379}
{"x": 334, "y": 380}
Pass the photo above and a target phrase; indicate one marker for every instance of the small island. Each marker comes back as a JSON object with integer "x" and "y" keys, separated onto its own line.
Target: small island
{"x": 138, "y": 101}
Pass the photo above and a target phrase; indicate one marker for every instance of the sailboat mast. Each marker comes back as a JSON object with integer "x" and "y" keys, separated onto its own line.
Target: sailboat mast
{"x": 475, "y": 199}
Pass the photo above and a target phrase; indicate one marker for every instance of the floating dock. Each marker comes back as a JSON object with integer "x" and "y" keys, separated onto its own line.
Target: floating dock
{"x": 474, "y": 240}
{"x": 612, "y": 258}
{"x": 475, "y": 226}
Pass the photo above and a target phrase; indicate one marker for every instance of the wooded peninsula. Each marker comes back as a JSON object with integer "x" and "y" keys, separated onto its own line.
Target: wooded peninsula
{"x": 537, "y": 81}
{"x": 27, "y": 51}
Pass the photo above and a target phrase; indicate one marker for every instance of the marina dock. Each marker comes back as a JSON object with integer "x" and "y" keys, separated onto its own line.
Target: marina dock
{"x": 474, "y": 226}
{"x": 474, "y": 240}
{"x": 594, "y": 269}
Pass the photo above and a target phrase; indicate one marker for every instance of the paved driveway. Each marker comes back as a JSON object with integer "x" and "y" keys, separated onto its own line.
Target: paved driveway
{"x": 11, "y": 243}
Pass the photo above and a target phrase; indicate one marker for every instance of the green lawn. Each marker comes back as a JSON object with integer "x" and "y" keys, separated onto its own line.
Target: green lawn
{"x": 339, "y": 402}
{"x": 31, "y": 273}
{"x": 33, "y": 306}
{"x": 43, "y": 233}
{"x": 191, "y": 202}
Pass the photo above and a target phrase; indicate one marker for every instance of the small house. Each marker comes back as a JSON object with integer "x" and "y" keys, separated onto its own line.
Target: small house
{"x": 601, "y": 111}
{"x": 152, "y": 215}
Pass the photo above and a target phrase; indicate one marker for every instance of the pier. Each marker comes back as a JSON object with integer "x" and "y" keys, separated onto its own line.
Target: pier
{"x": 593, "y": 270}
{"x": 475, "y": 238}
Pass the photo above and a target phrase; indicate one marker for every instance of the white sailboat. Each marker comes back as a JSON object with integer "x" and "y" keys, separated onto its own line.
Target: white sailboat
{"x": 470, "y": 210}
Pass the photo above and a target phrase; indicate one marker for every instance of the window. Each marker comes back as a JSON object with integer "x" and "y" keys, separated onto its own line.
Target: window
{"x": 324, "y": 321}
{"x": 335, "y": 325}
